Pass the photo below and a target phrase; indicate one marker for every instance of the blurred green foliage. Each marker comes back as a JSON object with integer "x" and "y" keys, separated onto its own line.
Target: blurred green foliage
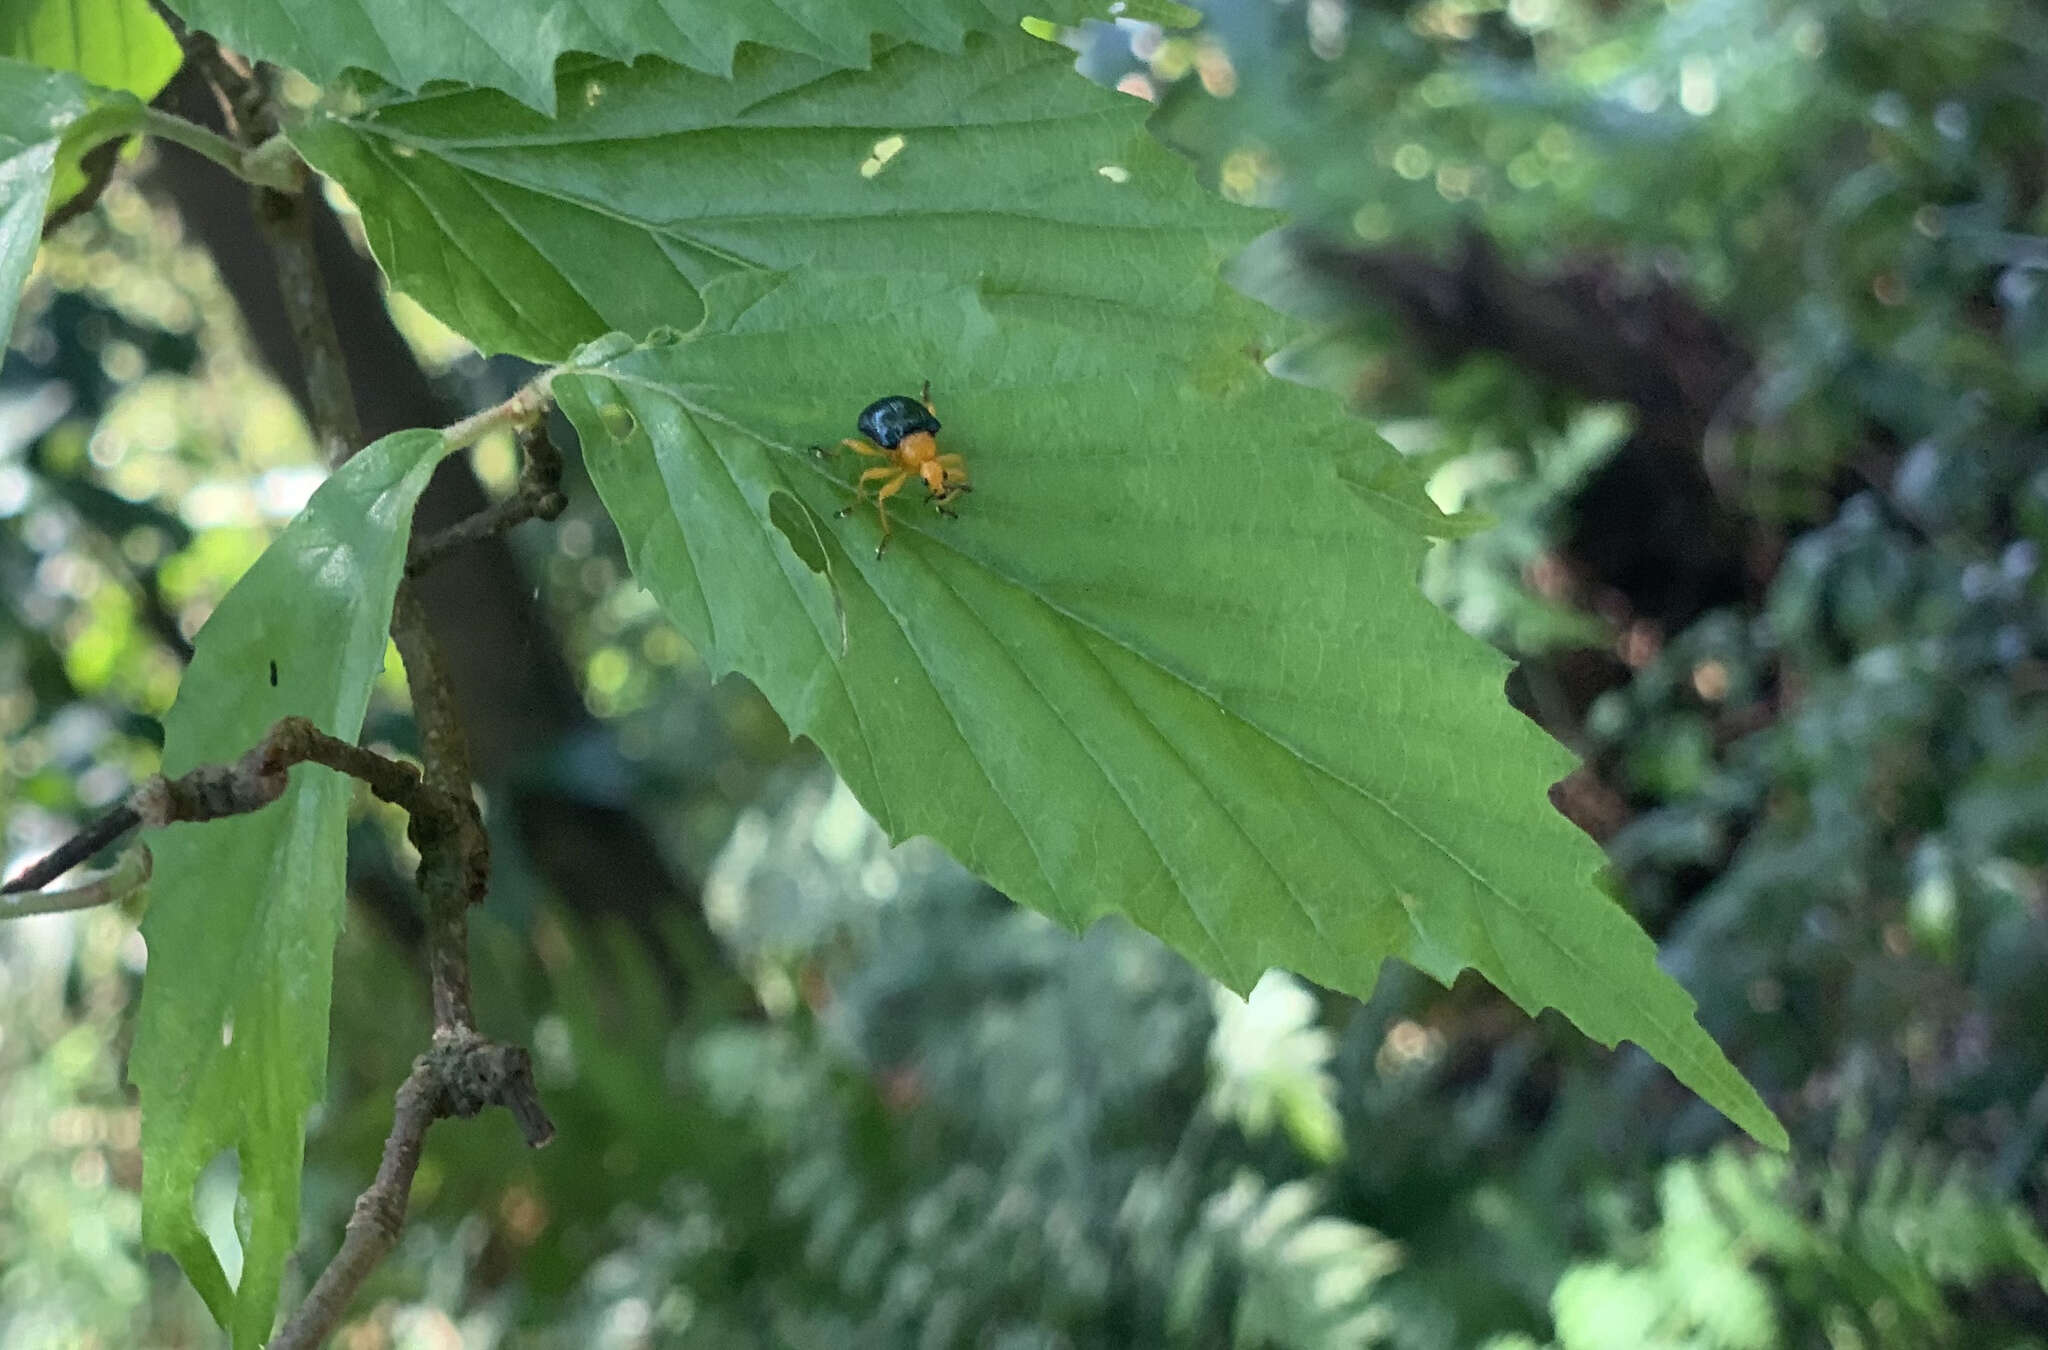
{"x": 953, "y": 1125}
{"x": 1746, "y": 1255}
{"x": 71, "y": 1268}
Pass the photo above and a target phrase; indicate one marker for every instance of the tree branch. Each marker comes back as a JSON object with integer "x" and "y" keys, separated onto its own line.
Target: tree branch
{"x": 110, "y": 887}
{"x": 460, "y": 1076}
{"x": 234, "y": 85}
{"x": 98, "y": 164}
{"x": 454, "y": 851}
{"x": 258, "y": 778}
{"x": 539, "y": 495}
{"x": 288, "y": 225}
{"x": 462, "y": 1073}
{"x": 454, "y": 875}
{"x": 74, "y": 850}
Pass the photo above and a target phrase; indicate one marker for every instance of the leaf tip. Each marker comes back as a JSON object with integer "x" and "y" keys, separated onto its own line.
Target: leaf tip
{"x": 1754, "y": 1117}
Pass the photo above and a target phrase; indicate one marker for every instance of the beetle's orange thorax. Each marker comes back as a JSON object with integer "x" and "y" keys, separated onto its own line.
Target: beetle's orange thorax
{"x": 916, "y": 450}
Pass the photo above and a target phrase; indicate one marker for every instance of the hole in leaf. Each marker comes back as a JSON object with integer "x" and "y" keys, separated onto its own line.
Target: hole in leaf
{"x": 619, "y": 422}
{"x": 664, "y": 336}
{"x": 214, "y": 1198}
{"x": 806, "y": 536}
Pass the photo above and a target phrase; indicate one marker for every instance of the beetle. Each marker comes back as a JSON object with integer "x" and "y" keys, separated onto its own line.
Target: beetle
{"x": 904, "y": 431}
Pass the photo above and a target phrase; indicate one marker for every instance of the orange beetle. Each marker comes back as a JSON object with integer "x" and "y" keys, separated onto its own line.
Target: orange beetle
{"x": 904, "y": 431}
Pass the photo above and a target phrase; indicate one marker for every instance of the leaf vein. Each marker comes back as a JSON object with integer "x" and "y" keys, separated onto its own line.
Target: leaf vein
{"x": 1158, "y": 851}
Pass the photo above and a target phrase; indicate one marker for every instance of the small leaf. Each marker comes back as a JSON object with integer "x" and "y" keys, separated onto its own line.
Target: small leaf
{"x": 37, "y": 108}
{"x": 231, "y": 1042}
{"x": 115, "y": 44}
{"x": 512, "y": 45}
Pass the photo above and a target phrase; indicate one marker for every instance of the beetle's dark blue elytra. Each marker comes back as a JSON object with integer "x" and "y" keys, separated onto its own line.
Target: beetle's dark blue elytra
{"x": 887, "y": 421}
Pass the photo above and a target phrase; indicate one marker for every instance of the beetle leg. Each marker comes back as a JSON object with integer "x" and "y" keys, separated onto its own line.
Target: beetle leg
{"x": 860, "y": 487}
{"x": 850, "y": 443}
{"x": 924, "y": 396}
{"x": 889, "y": 489}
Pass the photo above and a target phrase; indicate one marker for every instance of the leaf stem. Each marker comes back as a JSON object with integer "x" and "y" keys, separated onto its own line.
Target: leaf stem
{"x": 523, "y": 409}
{"x": 263, "y": 165}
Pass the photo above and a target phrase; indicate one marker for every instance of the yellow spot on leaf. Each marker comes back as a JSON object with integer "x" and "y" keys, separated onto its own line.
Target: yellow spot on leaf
{"x": 878, "y": 159}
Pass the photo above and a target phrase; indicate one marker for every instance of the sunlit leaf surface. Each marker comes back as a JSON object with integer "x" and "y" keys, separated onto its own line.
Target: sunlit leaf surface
{"x": 116, "y": 44}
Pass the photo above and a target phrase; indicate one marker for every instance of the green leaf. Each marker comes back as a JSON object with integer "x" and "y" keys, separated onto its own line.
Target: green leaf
{"x": 231, "y": 1042}
{"x": 37, "y": 107}
{"x": 116, "y": 44}
{"x": 47, "y": 116}
{"x": 512, "y": 45}
{"x": 806, "y": 535}
{"x": 1171, "y": 661}
{"x": 1164, "y": 664}
{"x": 530, "y": 236}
